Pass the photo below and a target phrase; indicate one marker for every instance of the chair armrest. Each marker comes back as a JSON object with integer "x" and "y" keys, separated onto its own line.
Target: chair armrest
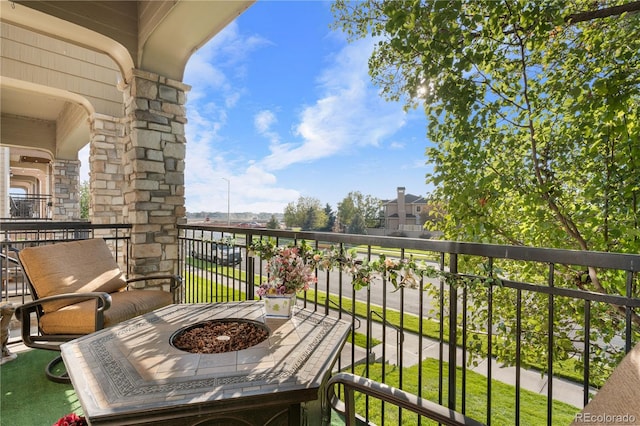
{"x": 392, "y": 395}
{"x": 24, "y": 312}
{"x": 103, "y": 299}
{"x": 176, "y": 280}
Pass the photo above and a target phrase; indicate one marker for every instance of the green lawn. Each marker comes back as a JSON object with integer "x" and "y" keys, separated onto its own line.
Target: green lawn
{"x": 533, "y": 407}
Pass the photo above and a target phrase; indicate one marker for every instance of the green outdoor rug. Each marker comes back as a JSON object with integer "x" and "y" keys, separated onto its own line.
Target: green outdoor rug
{"x": 28, "y": 397}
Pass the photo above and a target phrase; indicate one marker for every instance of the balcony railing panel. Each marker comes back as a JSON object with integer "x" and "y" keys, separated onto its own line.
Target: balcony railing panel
{"x": 17, "y": 235}
{"x": 388, "y": 310}
{"x": 29, "y": 207}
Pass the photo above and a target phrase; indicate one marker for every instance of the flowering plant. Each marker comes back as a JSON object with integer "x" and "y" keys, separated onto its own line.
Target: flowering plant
{"x": 290, "y": 269}
{"x": 71, "y": 420}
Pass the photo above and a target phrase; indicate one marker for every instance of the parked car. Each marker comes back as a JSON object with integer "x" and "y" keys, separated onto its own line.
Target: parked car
{"x": 217, "y": 253}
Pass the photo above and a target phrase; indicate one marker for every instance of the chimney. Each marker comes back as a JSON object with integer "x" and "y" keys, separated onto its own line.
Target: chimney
{"x": 402, "y": 209}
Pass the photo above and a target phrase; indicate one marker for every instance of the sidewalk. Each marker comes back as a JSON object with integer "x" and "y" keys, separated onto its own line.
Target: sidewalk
{"x": 563, "y": 390}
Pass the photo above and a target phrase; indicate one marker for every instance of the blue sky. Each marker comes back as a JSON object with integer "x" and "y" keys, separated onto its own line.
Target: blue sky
{"x": 283, "y": 107}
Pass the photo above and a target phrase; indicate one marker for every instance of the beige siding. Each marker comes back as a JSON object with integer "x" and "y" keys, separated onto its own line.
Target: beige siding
{"x": 42, "y": 60}
{"x": 31, "y": 133}
{"x": 73, "y": 128}
{"x": 115, "y": 19}
{"x": 151, "y": 14}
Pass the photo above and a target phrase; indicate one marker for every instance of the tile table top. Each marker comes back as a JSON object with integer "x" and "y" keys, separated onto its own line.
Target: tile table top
{"x": 132, "y": 370}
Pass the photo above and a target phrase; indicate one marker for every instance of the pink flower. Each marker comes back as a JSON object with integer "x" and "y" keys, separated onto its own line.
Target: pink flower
{"x": 288, "y": 272}
{"x": 71, "y": 420}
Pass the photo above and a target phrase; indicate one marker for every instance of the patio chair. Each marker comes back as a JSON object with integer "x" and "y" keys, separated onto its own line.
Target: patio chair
{"x": 77, "y": 288}
{"x": 352, "y": 383}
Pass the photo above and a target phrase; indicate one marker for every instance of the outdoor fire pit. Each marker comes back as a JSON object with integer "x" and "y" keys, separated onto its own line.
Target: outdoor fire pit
{"x": 135, "y": 372}
{"x": 219, "y": 336}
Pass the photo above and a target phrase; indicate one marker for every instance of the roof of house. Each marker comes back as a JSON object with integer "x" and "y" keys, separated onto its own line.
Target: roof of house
{"x": 408, "y": 199}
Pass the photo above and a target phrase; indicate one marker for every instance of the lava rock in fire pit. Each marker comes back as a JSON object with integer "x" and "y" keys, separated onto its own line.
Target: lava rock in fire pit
{"x": 219, "y": 336}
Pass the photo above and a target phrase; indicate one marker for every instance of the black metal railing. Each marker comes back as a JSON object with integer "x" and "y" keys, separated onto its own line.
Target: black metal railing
{"x": 29, "y": 207}
{"x": 17, "y": 235}
{"x": 453, "y": 304}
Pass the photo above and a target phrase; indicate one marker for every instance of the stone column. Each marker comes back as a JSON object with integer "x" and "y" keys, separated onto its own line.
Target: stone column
{"x": 106, "y": 176}
{"x": 5, "y": 178}
{"x": 154, "y": 152}
{"x": 66, "y": 190}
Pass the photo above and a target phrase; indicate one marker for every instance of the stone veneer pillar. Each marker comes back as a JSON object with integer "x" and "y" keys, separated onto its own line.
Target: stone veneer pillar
{"x": 66, "y": 190}
{"x": 154, "y": 152}
{"x": 106, "y": 176}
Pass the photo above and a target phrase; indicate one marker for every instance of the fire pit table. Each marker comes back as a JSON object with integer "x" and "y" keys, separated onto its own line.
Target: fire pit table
{"x": 133, "y": 374}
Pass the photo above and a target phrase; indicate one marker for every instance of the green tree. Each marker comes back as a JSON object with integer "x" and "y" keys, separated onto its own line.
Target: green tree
{"x": 357, "y": 225}
{"x": 273, "y": 223}
{"x": 432, "y": 214}
{"x": 533, "y": 111}
{"x": 85, "y": 200}
{"x": 356, "y": 203}
{"x": 306, "y": 213}
{"x": 331, "y": 218}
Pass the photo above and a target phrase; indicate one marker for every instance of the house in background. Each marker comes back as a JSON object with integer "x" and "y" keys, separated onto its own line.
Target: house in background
{"x": 404, "y": 214}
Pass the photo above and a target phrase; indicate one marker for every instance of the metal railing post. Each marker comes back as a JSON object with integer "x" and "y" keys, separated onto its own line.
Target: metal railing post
{"x": 453, "y": 333}
{"x": 250, "y": 278}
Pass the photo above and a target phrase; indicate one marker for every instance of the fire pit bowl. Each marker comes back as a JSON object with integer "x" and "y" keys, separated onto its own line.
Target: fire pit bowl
{"x": 220, "y": 336}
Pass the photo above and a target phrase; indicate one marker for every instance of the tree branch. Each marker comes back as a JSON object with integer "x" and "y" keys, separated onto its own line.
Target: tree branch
{"x": 602, "y": 13}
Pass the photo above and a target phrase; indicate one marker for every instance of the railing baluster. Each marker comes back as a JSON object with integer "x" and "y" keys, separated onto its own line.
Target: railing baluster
{"x": 384, "y": 341}
{"x": 463, "y": 363}
{"x": 586, "y": 350}
{"x": 353, "y": 329}
{"x": 400, "y": 349}
{"x": 441, "y": 334}
{"x": 628, "y": 312}
{"x": 369, "y": 337}
{"x": 453, "y": 333}
{"x": 489, "y": 343}
{"x": 550, "y": 331}
{"x": 518, "y": 349}
{"x": 420, "y": 339}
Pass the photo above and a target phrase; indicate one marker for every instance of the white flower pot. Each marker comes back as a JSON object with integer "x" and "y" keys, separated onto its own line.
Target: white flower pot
{"x": 279, "y": 306}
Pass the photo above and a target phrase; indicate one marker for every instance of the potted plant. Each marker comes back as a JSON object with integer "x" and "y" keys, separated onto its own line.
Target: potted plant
{"x": 290, "y": 269}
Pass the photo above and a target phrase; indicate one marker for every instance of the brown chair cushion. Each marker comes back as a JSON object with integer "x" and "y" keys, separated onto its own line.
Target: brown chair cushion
{"x": 71, "y": 267}
{"x": 79, "y": 318}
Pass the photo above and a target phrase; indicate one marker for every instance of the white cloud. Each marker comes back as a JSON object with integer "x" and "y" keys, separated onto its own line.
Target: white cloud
{"x": 350, "y": 114}
{"x": 263, "y": 121}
